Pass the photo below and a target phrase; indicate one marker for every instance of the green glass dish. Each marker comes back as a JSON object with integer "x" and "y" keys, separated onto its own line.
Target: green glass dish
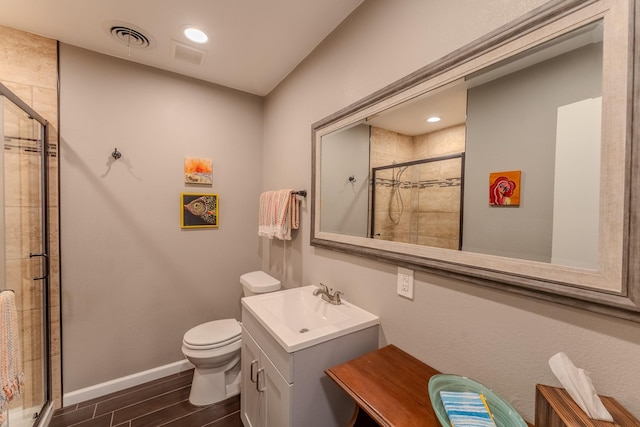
{"x": 503, "y": 414}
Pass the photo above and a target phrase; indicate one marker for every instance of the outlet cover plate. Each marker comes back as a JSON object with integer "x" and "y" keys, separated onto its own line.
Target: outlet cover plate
{"x": 405, "y": 282}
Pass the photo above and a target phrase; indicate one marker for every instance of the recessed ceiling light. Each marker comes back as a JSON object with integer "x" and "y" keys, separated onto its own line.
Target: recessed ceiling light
{"x": 434, "y": 119}
{"x": 195, "y": 35}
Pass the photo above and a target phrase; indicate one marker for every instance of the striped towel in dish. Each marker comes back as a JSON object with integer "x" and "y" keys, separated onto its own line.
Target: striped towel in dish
{"x": 467, "y": 409}
{"x": 278, "y": 214}
{"x": 11, "y": 376}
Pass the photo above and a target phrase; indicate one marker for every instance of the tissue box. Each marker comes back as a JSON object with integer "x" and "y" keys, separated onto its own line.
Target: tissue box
{"x": 555, "y": 408}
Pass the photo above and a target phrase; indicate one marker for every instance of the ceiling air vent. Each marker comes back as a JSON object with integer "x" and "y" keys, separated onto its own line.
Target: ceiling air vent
{"x": 129, "y": 35}
{"x": 185, "y": 53}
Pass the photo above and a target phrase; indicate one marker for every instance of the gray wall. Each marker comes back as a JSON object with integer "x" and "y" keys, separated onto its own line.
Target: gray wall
{"x": 511, "y": 125}
{"x": 345, "y": 205}
{"x": 133, "y": 282}
{"x": 500, "y": 339}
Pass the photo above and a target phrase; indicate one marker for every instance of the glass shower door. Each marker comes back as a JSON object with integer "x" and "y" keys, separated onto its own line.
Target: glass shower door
{"x": 23, "y": 250}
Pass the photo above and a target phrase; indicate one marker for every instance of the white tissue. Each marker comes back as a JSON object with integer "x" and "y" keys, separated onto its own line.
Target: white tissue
{"x": 579, "y": 386}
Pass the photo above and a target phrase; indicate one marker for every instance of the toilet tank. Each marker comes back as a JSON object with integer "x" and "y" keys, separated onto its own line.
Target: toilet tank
{"x": 258, "y": 282}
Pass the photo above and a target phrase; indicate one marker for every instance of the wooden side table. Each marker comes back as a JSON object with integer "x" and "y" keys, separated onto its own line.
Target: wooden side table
{"x": 390, "y": 388}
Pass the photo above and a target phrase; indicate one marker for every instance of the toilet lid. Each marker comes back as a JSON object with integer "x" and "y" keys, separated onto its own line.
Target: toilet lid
{"x": 213, "y": 334}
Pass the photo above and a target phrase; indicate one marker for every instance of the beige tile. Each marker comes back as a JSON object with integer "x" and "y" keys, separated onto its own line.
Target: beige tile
{"x": 446, "y": 141}
{"x": 56, "y": 381}
{"x": 22, "y": 232}
{"x": 32, "y": 290}
{"x": 53, "y": 182}
{"x": 54, "y": 281}
{"x": 22, "y": 91}
{"x": 12, "y": 190}
{"x": 45, "y": 102}
{"x": 27, "y": 58}
{"x": 22, "y": 178}
{"x": 397, "y": 146}
{"x": 430, "y": 171}
{"x": 54, "y": 232}
{"x": 33, "y": 394}
{"x": 17, "y": 122}
{"x": 13, "y": 278}
{"x": 440, "y": 225}
{"x": 54, "y": 338}
{"x": 31, "y": 334}
{"x": 440, "y": 199}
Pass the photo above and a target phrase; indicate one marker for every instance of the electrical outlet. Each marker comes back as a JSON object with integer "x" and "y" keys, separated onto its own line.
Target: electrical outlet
{"x": 405, "y": 282}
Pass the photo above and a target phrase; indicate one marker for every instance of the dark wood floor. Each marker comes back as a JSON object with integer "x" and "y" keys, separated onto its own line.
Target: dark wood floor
{"x": 163, "y": 402}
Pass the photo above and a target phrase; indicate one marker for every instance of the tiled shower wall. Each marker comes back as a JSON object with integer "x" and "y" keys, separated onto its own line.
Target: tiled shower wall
{"x": 433, "y": 221}
{"x": 28, "y": 67}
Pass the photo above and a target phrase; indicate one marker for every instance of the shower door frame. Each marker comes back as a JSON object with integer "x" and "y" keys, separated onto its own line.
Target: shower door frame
{"x": 45, "y": 412}
{"x": 374, "y": 171}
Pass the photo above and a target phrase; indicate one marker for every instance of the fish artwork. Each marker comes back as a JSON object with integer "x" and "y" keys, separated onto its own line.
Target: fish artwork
{"x": 203, "y": 207}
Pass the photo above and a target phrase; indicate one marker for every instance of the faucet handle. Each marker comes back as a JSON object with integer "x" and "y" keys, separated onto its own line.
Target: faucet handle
{"x": 321, "y": 289}
{"x": 336, "y": 297}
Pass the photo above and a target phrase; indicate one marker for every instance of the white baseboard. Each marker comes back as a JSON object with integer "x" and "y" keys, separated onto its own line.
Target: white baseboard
{"x": 118, "y": 384}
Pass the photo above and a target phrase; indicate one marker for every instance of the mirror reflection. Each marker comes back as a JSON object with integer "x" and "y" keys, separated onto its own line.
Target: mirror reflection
{"x": 421, "y": 171}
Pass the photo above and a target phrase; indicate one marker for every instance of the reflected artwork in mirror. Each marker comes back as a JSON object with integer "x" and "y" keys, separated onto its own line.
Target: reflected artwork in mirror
{"x": 403, "y": 175}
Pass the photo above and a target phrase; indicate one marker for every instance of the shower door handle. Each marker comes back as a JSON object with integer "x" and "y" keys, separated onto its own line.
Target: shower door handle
{"x": 44, "y": 256}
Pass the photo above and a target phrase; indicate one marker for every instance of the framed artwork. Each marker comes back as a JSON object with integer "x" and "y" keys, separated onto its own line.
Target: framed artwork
{"x": 504, "y": 188}
{"x": 199, "y": 210}
{"x": 198, "y": 170}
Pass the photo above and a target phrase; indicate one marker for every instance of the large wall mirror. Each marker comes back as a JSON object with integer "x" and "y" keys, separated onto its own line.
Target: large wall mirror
{"x": 509, "y": 163}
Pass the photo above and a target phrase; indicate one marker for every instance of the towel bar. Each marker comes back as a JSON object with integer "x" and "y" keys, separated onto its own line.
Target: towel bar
{"x": 302, "y": 193}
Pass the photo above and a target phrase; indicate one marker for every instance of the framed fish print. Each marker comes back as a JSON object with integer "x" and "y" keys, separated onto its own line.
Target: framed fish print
{"x": 199, "y": 210}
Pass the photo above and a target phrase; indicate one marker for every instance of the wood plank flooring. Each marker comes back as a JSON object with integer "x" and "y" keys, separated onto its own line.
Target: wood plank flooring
{"x": 163, "y": 402}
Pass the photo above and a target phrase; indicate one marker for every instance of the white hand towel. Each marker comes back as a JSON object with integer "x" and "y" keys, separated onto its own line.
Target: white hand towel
{"x": 279, "y": 214}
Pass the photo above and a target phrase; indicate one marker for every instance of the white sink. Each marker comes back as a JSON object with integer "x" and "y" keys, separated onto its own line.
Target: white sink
{"x": 297, "y": 319}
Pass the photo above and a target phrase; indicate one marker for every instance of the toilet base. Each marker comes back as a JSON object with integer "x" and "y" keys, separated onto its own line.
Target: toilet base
{"x": 210, "y": 385}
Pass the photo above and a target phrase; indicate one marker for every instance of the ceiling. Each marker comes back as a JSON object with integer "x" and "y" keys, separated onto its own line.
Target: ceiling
{"x": 253, "y": 44}
{"x": 448, "y": 102}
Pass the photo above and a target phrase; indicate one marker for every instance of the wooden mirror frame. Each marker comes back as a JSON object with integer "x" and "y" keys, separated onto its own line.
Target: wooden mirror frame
{"x": 559, "y": 284}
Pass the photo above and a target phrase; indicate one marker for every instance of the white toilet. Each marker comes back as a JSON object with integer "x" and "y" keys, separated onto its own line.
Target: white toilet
{"x": 214, "y": 348}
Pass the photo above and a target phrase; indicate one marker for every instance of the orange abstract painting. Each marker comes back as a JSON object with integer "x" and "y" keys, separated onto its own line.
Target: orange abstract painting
{"x": 198, "y": 170}
{"x": 504, "y": 188}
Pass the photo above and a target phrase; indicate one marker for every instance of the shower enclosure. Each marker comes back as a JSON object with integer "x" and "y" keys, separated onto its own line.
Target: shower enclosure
{"x": 419, "y": 202}
{"x": 25, "y": 250}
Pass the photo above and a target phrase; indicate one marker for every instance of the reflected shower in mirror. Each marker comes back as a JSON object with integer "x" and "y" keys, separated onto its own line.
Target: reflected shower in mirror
{"x": 419, "y": 202}
{"x": 537, "y": 112}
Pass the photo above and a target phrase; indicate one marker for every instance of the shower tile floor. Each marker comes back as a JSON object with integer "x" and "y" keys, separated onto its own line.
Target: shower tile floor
{"x": 163, "y": 402}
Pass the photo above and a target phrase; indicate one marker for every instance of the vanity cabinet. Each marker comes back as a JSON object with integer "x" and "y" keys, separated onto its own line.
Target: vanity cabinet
{"x": 265, "y": 393}
{"x": 281, "y": 389}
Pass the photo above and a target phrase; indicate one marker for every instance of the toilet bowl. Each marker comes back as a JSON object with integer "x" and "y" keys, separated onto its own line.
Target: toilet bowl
{"x": 214, "y": 348}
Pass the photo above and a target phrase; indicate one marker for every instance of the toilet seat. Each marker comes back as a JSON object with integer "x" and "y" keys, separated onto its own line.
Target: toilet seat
{"x": 211, "y": 335}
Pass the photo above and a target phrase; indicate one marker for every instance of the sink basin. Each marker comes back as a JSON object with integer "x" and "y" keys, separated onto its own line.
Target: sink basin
{"x": 297, "y": 319}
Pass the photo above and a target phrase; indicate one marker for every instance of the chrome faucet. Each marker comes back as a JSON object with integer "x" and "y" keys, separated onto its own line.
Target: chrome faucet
{"x": 328, "y": 294}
